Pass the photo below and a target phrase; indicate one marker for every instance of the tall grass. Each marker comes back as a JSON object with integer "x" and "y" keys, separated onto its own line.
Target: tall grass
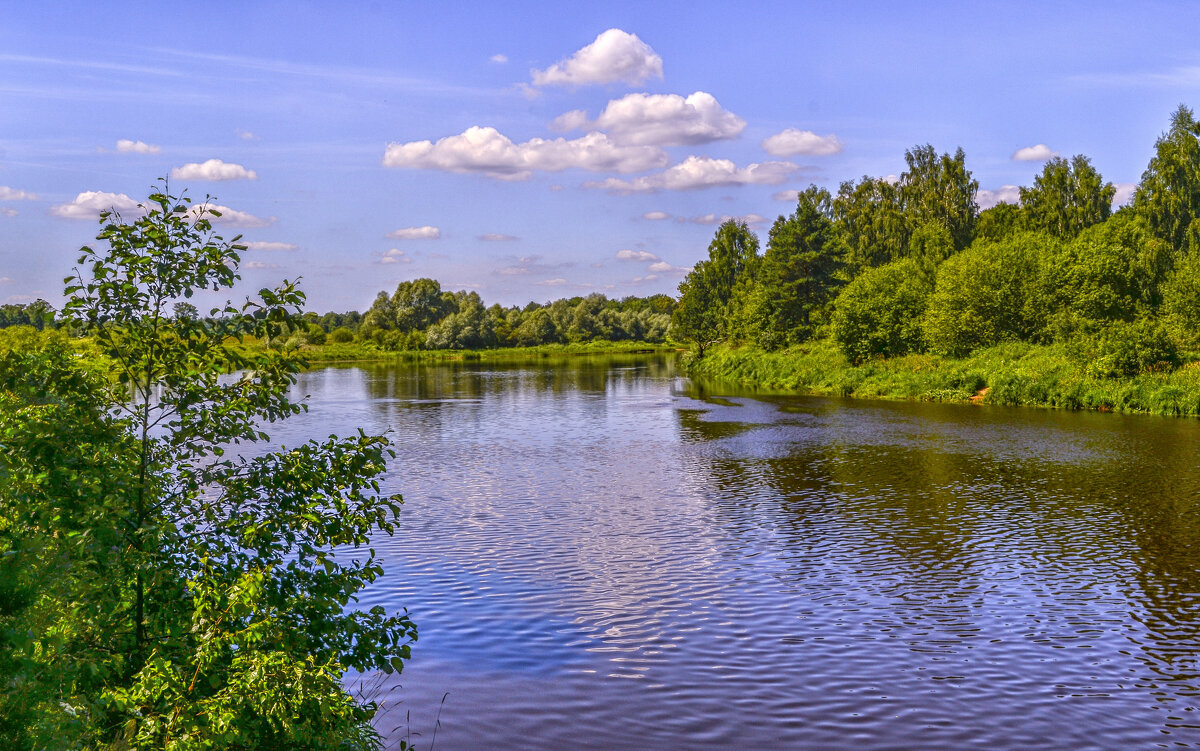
{"x": 1014, "y": 373}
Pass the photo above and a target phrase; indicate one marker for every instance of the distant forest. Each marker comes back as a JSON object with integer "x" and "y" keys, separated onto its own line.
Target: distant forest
{"x": 420, "y": 315}
{"x": 890, "y": 268}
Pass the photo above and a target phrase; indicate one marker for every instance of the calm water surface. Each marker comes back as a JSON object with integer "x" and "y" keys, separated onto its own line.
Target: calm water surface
{"x": 601, "y": 554}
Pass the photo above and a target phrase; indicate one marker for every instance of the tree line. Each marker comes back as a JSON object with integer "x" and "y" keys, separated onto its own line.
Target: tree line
{"x": 888, "y": 268}
{"x": 418, "y": 314}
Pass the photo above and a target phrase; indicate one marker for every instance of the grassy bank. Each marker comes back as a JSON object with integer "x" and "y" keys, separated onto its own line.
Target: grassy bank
{"x": 1012, "y": 374}
{"x": 359, "y": 352}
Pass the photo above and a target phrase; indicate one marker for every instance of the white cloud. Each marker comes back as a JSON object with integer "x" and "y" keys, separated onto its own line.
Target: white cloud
{"x": 656, "y": 216}
{"x": 270, "y": 246}
{"x": 791, "y": 196}
{"x": 213, "y": 169}
{"x": 499, "y": 59}
{"x": 646, "y": 278}
{"x": 890, "y": 179}
{"x": 259, "y": 265}
{"x": 792, "y": 142}
{"x": 415, "y": 233}
{"x": 556, "y": 188}
{"x": 5, "y": 211}
{"x": 89, "y": 204}
{"x": 555, "y": 282}
{"x": 1004, "y": 194}
{"x": 5, "y": 280}
{"x": 714, "y": 219}
{"x": 635, "y": 255}
{"x": 235, "y": 218}
{"x": 697, "y": 172}
{"x": 12, "y": 194}
{"x": 614, "y": 56}
{"x": 496, "y": 237}
{"x": 1038, "y": 153}
{"x": 663, "y": 267}
{"x": 126, "y": 146}
{"x": 1124, "y": 193}
{"x": 484, "y": 150}
{"x": 395, "y": 255}
{"x": 659, "y": 120}
{"x": 246, "y": 135}
{"x": 567, "y": 121}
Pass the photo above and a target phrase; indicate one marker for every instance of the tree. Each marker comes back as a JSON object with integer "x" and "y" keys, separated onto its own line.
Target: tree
{"x": 870, "y": 223}
{"x": 941, "y": 189}
{"x": 1168, "y": 196}
{"x": 798, "y": 274}
{"x": 204, "y": 607}
{"x": 999, "y": 222}
{"x": 1067, "y": 198}
{"x": 703, "y": 313}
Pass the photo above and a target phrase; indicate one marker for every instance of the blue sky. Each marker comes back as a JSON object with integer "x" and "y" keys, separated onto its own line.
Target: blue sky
{"x": 571, "y": 148}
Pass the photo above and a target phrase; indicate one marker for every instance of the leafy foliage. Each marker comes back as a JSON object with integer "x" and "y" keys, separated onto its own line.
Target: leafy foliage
{"x": 190, "y": 594}
{"x": 987, "y": 294}
{"x": 879, "y": 313}
{"x": 1067, "y": 198}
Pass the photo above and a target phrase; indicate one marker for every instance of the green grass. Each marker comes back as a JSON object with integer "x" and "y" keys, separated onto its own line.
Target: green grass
{"x": 1014, "y": 373}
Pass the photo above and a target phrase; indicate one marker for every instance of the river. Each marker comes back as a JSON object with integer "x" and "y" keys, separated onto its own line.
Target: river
{"x": 601, "y": 554}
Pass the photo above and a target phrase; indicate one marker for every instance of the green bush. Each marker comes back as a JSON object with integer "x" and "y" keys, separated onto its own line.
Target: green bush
{"x": 879, "y": 313}
{"x": 341, "y": 335}
{"x": 1128, "y": 348}
{"x": 987, "y": 294}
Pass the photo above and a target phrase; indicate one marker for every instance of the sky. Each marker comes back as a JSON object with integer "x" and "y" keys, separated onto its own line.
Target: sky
{"x": 531, "y": 151}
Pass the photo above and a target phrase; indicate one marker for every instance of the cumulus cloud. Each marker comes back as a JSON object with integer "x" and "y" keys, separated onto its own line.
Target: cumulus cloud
{"x": 1039, "y": 153}
{"x": 484, "y": 150}
{"x": 496, "y": 237}
{"x": 635, "y": 255}
{"x": 395, "y": 255}
{"x": 213, "y": 170}
{"x": 614, "y": 56}
{"x": 793, "y": 142}
{"x": 646, "y": 278}
{"x": 89, "y": 204}
{"x": 499, "y": 59}
{"x": 12, "y": 194}
{"x": 659, "y": 120}
{"x": 257, "y": 265}
{"x": 555, "y": 282}
{"x": 1004, "y": 194}
{"x": 568, "y": 121}
{"x": 126, "y": 146}
{"x": 415, "y": 233}
{"x": 664, "y": 267}
{"x": 791, "y": 196}
{"x": 5, "y": 211}
{"x": 235, "y": 218}
{"x": 1124, "y": 193}
{"x": 270, "y": 246}
{"x": 715, "y": 219}
{"x": 698, "y": 172}
{"x": 656, "y": 216}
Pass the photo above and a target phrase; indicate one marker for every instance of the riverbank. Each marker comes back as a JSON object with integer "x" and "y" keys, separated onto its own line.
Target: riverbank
{"x": 1015, "y": 373}
{"x": 360, "y": 352}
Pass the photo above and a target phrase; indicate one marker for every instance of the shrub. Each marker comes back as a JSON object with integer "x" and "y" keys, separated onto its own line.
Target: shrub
{"x": 986, "y": 294}
{"x": 341, "y": 335}
{"x": 879, "y": 313}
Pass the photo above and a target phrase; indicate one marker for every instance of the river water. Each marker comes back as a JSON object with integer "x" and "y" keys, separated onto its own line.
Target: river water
{"x": 601, "y": 554}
